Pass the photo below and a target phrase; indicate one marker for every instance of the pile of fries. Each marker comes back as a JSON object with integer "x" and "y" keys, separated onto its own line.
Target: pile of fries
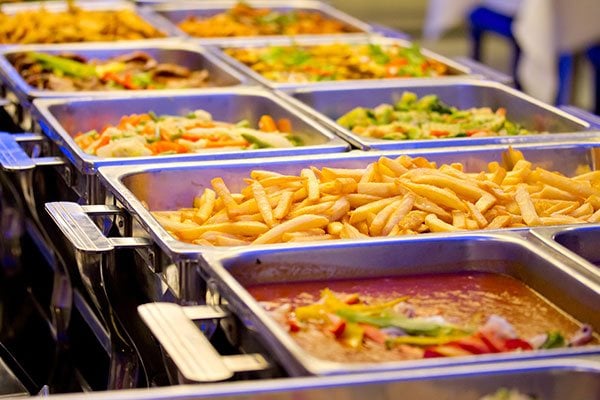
{"x": 390, "y": 197}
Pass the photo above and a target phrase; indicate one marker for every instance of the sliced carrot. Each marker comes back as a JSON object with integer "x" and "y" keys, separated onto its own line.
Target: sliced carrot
{"x": 284, "y": 125}
{"x": 103, "y": 140}
{"x": 267, "y": 124}
{"x": 373, "y": 333}
{"x": 163, "y": 146}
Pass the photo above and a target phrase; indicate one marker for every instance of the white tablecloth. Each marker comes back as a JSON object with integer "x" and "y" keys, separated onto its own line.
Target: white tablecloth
{"x": 543, "y": 28}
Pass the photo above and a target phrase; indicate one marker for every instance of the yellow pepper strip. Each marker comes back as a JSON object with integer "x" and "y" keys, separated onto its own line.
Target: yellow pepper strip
{"x": 312, "y": 311}
{"x": 353, "y": 335}
{"x": 425, "y": 340}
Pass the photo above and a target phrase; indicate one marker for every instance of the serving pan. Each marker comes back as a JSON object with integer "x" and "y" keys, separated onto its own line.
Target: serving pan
{"x": 509, "y": 254}
{"x": 176, "y": 12}
{"x": 455, "y": 68}
{"x": 61, "y": 119}
{"x": 177, "y": 52}
{"x": 328, "y": 103}
{"x": 133, "y": 189}
{"x": 102, "y": 5}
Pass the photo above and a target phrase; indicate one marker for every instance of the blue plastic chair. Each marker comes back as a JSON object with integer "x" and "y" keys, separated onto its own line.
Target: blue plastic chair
{"x": 593, "y": 55}
{"x": 483, "y": 19}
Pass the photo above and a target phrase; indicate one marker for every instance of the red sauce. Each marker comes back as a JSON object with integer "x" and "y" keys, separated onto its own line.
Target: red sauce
{"x": 466, "y": 299}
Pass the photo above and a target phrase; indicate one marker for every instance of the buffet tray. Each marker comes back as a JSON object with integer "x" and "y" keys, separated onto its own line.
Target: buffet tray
{"x": 454, "y": 68}
{"x": 176, "y": 12}
{"x": 182, "y": 181}
{"x": 328, "y": 103}
{"x": 507, "y": 254}
{"x": 57, "y": 6}
{"x": 178, "y": 52}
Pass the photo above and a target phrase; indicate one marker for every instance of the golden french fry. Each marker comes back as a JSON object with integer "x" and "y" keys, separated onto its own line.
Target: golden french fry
{"x": 476, "y": 215}
{"x": 333, "y": 173}
{"x": 245, "y": 228}
{"x": 551, "y": 192}
{"x": 403, "y": 208}
{"x": 259, "y": 174}
{"x": 206, "y": 206}
{"x": 250, "y": 217}
{"x": 394, "y": 166}
{"x": 368, "y": 175}
{"x": 286, "y": 237}
{"x": 437, "y": 225}
{"x": 283, "y": 205}
{"x": 377, "y": 189}
{"x": 485, "y": 202}
{"x": 319, "y": 208}
{"x": 594, "y": 218}
{"x": 202, "y": 242}
{"x": 361, "y": 212}
{"x": 223, "y": 191}
{"x": 376, "y": 226}
{"x": 430, "y": 207}
{"x": 579, "y": 188}
{"x": 350, "y": 232}
{"x": 300, "y": 223}
{"x": 356, "y": 199}
{"x": 500, "y": 221}
{"x": 526, "y": 206}
{"x": 334, "y": 228}
{"x": 311, "y": 238}
{"x": 583, "y": 211}
{"x": 312, "y": 184}
{"x": 264, "y": 207}
{"x": 339, "y": 209}
{"x": 460, "y": 187}
{"x": 459, "y": 219}
{"x": 560, "y": 220}
{"x": 511, "y": 157}
{"x": 443, "y": 197}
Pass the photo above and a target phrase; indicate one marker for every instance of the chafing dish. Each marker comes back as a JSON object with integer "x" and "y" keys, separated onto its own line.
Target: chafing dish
{"x": 61, "y": 119}
{"x": 455, "y": 68}
{"x": 328, "y": 103}
{"x": 103, "y": 5}
{"x": 175, "y": 13}
{"x": 134, "y": 189}
{"x": 178, "y": 52}
{"x": 514, "y": 255}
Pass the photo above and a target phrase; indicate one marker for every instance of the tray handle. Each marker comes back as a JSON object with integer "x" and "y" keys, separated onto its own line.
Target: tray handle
{"x": 14, "y": 158}
{"x": 478, "y": 68}
{"x": 192, "y": 353}
{"x": 592, "y": 119}
{"x": 78, "y": 227}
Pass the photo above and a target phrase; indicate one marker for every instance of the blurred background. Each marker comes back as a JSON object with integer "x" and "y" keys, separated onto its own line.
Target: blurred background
{"x": 410, "y": 16}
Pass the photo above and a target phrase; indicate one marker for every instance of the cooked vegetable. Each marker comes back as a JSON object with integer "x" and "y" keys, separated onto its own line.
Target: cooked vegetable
{"x": 244, "y": 20}
{"x": 412, "y": 118}
{"x": 333, "y": 62}
{"x": 508, "y": 394}
{"x": 448, "y": 315}
{"x": 149, "y": 134}
{"x": 74, "y": 25}
{"x": 132, "y": 71}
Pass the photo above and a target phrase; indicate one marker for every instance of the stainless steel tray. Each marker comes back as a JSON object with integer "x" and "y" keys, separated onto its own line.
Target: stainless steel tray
{"x": 509, "y": 254}
{"x": 176, "y": 12}
{"x": 328, "y": 103}
{"x": 57, "y": 6}
{"x": 577, "y": 242}
{"x": 61, "y": 119}
{"x": 182, "y": 181}
{"x": 573, "y": 379}
{"x": 455, "y": 68}
{"x": 178, "y": 52}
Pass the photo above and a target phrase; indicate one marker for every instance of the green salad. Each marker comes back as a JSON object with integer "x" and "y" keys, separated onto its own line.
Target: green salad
{"x": 413, "y": 118}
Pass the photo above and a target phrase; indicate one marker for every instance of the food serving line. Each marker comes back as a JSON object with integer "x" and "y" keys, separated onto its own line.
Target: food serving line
{"x": 114, "y": 244}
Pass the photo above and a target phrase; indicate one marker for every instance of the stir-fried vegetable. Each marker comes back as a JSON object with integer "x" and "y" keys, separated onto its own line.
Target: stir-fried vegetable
{"x": 148, "y": 134}
{"x": 332, "y": 62}
{"x": 355, "y": 322}
{"x": 244, "y": 20}
{"x": 132, "y": 71}
{"x": 412, "y": 118}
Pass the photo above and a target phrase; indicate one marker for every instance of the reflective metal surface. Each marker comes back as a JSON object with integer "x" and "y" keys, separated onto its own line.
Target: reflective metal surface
{"x": 328, "y": 103}
{"x": 454, "y": 68}
{"x": 185, "y": 54}
{"x": 176, "y": 12}
{"x": 61, "y": 119}
{"x": 180, "y": 182}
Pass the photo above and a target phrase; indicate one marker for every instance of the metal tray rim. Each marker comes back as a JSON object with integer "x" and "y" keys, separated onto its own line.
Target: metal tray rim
{"x": 27, "y": 93}
{"x": 284, "y": 343}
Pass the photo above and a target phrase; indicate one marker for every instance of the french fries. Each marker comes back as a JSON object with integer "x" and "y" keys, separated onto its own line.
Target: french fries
{"x": 389, "y": 197}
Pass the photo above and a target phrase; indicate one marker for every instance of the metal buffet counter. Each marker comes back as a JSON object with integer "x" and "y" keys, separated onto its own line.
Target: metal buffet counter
{"x": 136, "y": 271}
